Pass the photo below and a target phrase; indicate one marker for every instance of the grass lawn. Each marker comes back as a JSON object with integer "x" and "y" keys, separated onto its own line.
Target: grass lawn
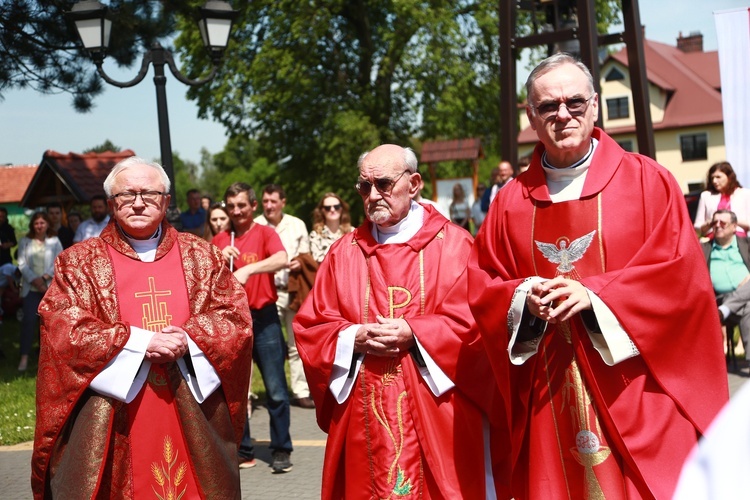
{"x": 18, "y": 389}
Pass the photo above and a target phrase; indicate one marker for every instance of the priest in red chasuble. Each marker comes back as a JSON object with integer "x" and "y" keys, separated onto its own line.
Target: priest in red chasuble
{"x": 144, "y": 361}
{"x": 595, "y": 305}
{"x": 399, "y": 374}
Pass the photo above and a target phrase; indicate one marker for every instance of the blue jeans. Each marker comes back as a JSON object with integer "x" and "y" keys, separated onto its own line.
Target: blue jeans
{"x": 269, "y": 355}
{"x": 30, "y": 321}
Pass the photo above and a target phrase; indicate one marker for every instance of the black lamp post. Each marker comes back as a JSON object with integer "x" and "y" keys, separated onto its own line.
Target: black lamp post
{"x": 94, "y": 25}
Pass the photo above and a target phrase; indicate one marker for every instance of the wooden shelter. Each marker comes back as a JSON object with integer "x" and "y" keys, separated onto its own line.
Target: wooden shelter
{"x": 70, "y": 179}
{"x": 558, "y": 24}
{"x": 434, "y": 152}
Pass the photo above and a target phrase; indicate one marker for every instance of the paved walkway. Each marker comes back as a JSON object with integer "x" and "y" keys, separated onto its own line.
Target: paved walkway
{"x": 303, "y": 482}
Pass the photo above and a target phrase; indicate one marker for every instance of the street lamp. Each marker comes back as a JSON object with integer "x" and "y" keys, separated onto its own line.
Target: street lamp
{"x": 94, "y": 25}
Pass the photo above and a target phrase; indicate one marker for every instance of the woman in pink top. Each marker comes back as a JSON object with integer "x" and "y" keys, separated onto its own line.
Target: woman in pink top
{"x": 724, "y": 192}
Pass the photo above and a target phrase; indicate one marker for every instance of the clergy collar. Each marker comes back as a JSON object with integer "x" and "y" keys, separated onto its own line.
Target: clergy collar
{"x": 146, "y": 249}
{"x": 583, "y": 160}
{"x": 404, "y": 230}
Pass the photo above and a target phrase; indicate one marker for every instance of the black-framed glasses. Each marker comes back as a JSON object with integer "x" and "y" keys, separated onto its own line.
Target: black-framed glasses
{"x": 331, "y": 208}
{"x": 383, "y": 185}
{"x": 576, "y": 106}
{"x": 129, "y": 197}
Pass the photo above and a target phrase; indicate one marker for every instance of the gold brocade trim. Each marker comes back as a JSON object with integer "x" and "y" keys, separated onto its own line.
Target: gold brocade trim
{"x": 531, "y": 243}
{"x": 163, "y": 473}
{"x": 421, "y": 282}
{"x": 554, "y": 419}
{"x": 599, "y": 228}
{"x": 587, "y": 452}
{"x": 367, "y": 290}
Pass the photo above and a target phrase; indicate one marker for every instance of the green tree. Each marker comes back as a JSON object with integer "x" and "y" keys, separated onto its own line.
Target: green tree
{"x": 185, "y": 178}
{"x": 39, "y": 47}
{"x": 107, "y": 145}
{"x": 316, "y": 83}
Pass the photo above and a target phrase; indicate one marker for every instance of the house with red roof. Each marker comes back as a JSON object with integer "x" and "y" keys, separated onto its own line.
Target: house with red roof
{"x": 14, "y": 179}
{"x": 685, "y": 103}
{"x": 70, "y": 179}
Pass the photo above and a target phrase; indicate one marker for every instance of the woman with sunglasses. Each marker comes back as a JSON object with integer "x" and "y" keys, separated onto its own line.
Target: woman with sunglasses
{"x": 331, "y": 221}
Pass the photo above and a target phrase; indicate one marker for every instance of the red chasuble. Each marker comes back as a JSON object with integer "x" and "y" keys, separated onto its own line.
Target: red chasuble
{"x": 582, "y": 429}
{"x": 152, "y": 296}
{"x": 86, "y": 444}
{"x": 392, "y": 438}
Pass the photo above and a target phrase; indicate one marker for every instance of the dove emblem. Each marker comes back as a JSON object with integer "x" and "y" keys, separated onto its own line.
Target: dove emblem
{"x": 565, "y": 255}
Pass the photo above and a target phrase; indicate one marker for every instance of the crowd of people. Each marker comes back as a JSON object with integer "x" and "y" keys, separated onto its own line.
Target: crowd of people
{"x": 534, "y": 360}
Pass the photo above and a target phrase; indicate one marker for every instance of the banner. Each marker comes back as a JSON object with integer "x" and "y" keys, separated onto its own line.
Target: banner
{"x": 733, "y": 34}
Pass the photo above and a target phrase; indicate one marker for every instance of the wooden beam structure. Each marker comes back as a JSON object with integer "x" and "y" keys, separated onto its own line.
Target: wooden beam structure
{"x": 555, "y": 22}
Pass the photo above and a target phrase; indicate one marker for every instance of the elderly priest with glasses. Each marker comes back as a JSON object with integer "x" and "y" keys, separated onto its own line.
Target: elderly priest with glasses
{"x": 593, "y": 299}
{"x": 144, "y": 361}
{"x": 393, "y": 358}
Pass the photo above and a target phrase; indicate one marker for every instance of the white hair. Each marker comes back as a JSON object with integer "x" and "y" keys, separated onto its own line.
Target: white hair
{"x": 410, "y": 160}
{"x": 131, "y": 162}
{"x": 553, "y": 62}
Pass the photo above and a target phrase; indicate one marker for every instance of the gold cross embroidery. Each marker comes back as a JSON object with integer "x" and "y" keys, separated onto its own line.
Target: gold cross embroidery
{"x": 155, "y": 314}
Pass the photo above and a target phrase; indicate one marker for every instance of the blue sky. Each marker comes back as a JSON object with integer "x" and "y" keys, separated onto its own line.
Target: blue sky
{"x": 31, "y": 123}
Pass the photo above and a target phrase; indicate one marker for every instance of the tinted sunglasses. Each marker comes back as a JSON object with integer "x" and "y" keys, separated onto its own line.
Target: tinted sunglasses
{"x": 331, "y": 208}
{"x": 384, "y": 185}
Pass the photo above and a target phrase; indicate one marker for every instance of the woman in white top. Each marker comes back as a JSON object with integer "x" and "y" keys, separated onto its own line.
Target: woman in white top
{"x": 331, "y": 221}
{"x": 37, "y": 252}
{"x": 724, "y": 192}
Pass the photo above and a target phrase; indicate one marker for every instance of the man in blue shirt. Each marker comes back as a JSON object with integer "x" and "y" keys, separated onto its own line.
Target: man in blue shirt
{"x": 194, "y": 219}
{"x": 729, "y": 264}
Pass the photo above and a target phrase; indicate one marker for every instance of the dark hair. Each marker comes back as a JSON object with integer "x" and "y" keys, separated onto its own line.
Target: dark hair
{"x": 732, "y": 215}
{"x": 191, "y": 191}
{"x": 73, "y": 213}
{"x": 34, "y": 218}
{"x": 275, "y": 188}
{"x": 54, "y": 204}
{"x": 208, "y": 232}
{"x": 726, "y": 168}
{"x": 4, "y": 210}
{"x": 240, "y": 187}
{"x": 319, "y": 219}
{"x": 98, "y": 197}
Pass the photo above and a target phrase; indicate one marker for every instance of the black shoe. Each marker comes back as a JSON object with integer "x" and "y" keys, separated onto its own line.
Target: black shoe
{"x": 304, "y": 403}
{"x": 280, "y": 462}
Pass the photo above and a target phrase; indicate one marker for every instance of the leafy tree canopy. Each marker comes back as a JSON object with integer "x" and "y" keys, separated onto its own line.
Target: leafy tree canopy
{"x": 104, "y": 147}
{"x": 39, "y": 48}
{"x": 316, "y": 83}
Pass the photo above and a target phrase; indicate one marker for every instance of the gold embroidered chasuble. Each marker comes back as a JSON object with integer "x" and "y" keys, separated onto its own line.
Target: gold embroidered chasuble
{"x": 82, "y": 444}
